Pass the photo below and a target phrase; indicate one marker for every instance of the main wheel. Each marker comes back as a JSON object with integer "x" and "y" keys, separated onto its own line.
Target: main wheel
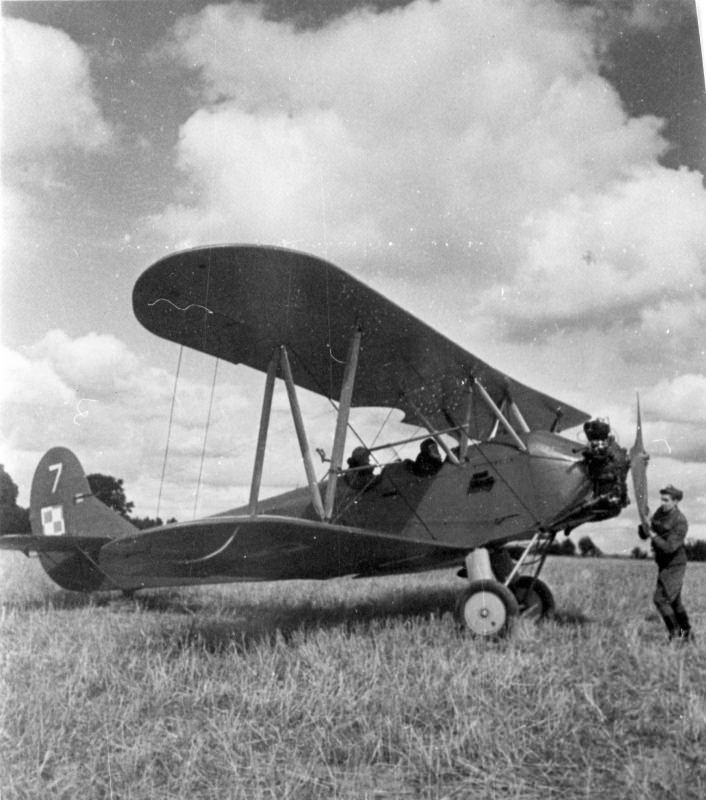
{"x": 533, "y": 597}
{"x": 487, "y": 609}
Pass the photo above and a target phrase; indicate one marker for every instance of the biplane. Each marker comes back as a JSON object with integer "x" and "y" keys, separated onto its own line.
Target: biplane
{"x": 493, "y": 470}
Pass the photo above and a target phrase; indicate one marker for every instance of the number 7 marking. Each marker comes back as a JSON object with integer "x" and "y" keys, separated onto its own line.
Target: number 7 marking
{"x": 58, "y": 468}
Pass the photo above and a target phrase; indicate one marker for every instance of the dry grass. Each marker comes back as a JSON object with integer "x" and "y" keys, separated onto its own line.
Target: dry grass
{"x": 348, "y": 689}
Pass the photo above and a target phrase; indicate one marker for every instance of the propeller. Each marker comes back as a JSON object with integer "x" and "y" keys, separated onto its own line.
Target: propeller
{"x": 638, "y": 467}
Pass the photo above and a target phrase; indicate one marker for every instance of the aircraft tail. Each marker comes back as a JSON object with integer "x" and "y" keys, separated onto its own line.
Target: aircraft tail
{"x": 61, "y": 504}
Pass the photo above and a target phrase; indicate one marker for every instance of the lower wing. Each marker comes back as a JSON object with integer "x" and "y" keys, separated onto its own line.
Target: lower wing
{"x": 263, "y": 548}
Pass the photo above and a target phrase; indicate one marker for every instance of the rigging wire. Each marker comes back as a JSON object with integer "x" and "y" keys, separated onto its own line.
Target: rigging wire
{"x": 169, "y": 429}
{"x": 208, "y": 291}
{"x": 205, "y": 437}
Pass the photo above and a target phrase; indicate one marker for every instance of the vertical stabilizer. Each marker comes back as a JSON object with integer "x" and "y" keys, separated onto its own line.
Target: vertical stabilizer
{"x": 61, "y": 504}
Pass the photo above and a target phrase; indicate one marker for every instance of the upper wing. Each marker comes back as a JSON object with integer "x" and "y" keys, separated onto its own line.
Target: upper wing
{"x": 240, "y": 302}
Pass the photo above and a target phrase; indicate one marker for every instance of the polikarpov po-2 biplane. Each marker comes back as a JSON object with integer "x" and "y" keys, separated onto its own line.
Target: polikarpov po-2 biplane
{"x": 497, "y": 471}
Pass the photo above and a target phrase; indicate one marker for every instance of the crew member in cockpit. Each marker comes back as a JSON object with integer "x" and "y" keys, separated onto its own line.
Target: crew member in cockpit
{"x": 360, "y": 470}
{"x": 429, "y": 460}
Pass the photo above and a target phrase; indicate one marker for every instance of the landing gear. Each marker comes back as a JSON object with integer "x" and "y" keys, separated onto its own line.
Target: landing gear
{"x": 533, "y": 596}
{"x": 487, "y": 609}
{"x": 498, "y": 594}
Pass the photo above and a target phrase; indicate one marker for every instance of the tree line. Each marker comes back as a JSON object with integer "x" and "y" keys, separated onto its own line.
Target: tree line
{"x": 109, "y": 490}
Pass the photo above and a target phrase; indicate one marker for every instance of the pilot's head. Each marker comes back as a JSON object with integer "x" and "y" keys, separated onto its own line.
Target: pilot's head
{"x": 670, "y": 496}
{"x": 360, "y": 457}
{"x": 430, "y": 450}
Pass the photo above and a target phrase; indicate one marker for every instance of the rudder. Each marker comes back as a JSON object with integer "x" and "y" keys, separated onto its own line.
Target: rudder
{"x": 61, "y": 504}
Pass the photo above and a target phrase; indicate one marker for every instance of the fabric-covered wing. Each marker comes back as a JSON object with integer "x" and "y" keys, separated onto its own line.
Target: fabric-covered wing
{"x": 262, "y": 548}
{"x": 238, "y": 303}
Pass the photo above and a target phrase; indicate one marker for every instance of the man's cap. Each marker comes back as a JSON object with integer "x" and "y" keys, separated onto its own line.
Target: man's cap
{"x": 360, "y": 452}
{"x": 673, "y": 492}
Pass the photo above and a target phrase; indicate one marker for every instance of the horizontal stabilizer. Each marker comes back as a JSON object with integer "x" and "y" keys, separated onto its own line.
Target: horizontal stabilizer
{"x": 52, "y": 544}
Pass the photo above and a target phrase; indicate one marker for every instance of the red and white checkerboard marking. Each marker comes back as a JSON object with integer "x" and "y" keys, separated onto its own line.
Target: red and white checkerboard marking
{"x": 53, "y": 521}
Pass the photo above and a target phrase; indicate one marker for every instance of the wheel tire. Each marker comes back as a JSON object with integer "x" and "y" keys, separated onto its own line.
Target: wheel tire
{"x": 487, "y": 609}
{"x": 533, "y": 596}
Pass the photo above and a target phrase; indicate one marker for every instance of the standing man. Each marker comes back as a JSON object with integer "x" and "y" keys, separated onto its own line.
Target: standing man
{"x": 668, "y": 529}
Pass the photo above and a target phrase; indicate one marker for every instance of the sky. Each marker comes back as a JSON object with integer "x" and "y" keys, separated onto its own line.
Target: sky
{"x": 527, "y": 176}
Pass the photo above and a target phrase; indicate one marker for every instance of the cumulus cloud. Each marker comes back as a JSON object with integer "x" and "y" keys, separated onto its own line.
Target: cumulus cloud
{"x": 98, "y": 365}
{"x": 403, "y": 127}
{"x": 634, "y": 245}
{"x": 481, "y": 142}
{"x": 679, "y": 400}
{"x": 46, "y": 83}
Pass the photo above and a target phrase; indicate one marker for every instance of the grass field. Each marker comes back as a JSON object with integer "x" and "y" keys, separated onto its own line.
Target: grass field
{"x": 349, "y": 689}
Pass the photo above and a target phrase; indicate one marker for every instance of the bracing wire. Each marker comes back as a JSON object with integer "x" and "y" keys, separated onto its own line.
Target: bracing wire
{"x": 169, "y": 430}
{"x": 205, "y": 437}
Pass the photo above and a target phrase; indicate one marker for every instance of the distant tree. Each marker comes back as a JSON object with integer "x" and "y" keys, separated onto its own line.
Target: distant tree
{"x": 638, "y": 552}
{"x": 567, "y": 548}
{"x": 148, "y": 522}
{"x": 13, "y": 518}
{"x": 587, "y": 548}
{"x": 109, "y": 490}
{"x": 695, "y": 549}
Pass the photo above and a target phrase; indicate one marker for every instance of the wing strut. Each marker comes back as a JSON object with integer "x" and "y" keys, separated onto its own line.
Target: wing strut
{"x": 502, "y": 419}
{"x": 301, "y": 433}
{"x": 344, "y": 407}
{"x": 465, "y": 439}
{"x": 262, "y": 434}
{"x": 524, "y": 427}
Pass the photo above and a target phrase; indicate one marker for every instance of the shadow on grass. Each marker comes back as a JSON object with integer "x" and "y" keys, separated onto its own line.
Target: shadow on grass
{"x": 60, "y": 600}
{"x": 570, "y": 616}
{"x": 271, "y": 619}
{"x": 258, "y": 623}
{"x": 167, "y": 603}
{"x": 269, "y": 622}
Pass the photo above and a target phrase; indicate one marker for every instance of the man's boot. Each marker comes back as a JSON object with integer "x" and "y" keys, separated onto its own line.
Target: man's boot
{"x": 685, "y": 633}
{"x": 671, "y": 622}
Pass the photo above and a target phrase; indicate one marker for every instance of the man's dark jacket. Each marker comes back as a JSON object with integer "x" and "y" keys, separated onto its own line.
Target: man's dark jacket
{"x": 670, "y": 527}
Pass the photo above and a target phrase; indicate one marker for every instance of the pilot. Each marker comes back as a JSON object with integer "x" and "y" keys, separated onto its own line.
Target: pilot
{"x": 668, "y": 528}
{"x": 360, "y": 471}
{"x": 428, "y": 461}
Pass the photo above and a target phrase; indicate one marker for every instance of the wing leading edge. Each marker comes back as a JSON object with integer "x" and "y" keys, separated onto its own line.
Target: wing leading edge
{"x": 239, "y": 303}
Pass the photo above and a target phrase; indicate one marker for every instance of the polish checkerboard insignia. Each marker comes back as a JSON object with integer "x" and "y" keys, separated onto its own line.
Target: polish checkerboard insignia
{"x": 53, "y": 521}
